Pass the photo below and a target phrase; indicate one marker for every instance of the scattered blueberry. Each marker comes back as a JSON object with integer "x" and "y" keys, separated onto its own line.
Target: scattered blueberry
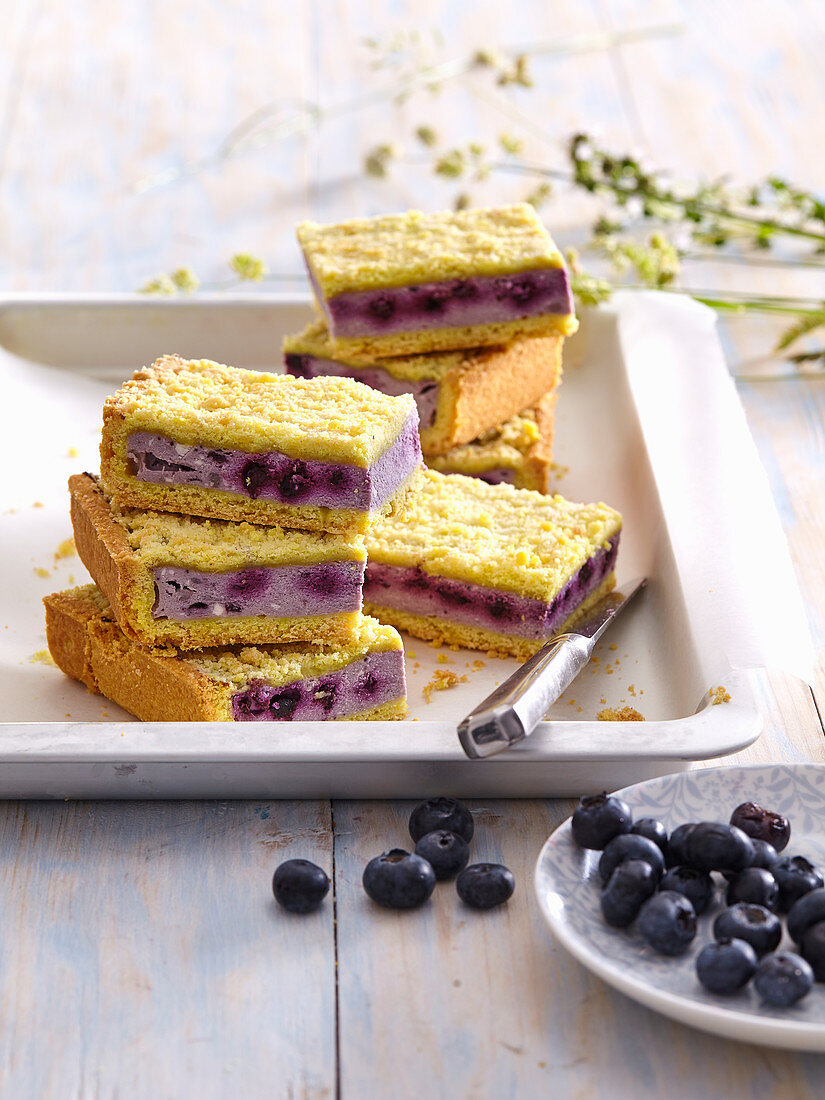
{"x": 764, "y": 854}
{"x": 667, "y": 922}
{"x": 696, "y": 886}
{"x": 752, "y": 923}
{"x": 630, "y": 846}
{"x": 628, "y": 888}
{"x": 483, "y": 885}
{"x": 762, "y": 824}
{"x": 652, "y": 829}
{"x": 809, "y": 910}
{"x": 676, "y": 853}
{"x": 783, "y": 979}
{"x": 715, "y": 846}
{"x": 755, "y": 885}
{"x": 598, "y": 819}
{"x": 441, "y": 813}
{"x": 398, "y": 879}
{"x": 447, "y": 852}
{"x": 726, "y": 966}
{"x": 813, "y": 950}
{"x": 795, "y": 876}
{"x": 299, "y": 885}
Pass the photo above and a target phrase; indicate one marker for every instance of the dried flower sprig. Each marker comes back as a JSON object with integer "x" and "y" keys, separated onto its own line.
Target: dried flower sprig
{"x": 246, "y": 268}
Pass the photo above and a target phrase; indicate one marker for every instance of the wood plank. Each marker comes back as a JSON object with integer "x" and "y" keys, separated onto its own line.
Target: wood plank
{"x": 144, "y": 954}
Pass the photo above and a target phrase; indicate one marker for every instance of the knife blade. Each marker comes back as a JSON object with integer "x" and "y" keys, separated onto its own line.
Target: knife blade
{"x": 514, "y": 709}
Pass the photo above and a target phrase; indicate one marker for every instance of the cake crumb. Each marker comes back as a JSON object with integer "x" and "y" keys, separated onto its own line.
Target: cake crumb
{"x": 38, "y": 504}
{"x": 442, "y": 679}
{"x": 436, "y": 643}
{"x": 72, "y": 452}
{"x": 613, "y": 645}
{"x": 455, "y": 648}
{"x": 571, "y": 702}
{"x": 478, "y": 665}
{"x": 603, "y": 699}
{"x": 41, "y": 572}
{"x": 411, "y": 653}
{"x": 66, "y": 549}
{"x": 71, "y": 578}
{"x": 631, "y": 688}
{"x": 443, "y": 659}
{"x": 622, "y": 714}
{"x": 42, "y": 657}
{"x": 720, "y": 695}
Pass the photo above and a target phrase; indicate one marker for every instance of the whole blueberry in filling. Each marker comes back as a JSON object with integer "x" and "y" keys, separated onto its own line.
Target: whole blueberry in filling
{"x": 284, "y": 702}
{"x": 255, "y": 477}
{"x": 435, "y": 300}
{"x": 368, "y": 685}
{"x": 248, "y": 582}
{"x": 464, "y": 290}
{"x": 325, "y": 694}
{"x": 498, "y": 607}
{"x": 522, "y": 290}
{"x": 319, "y": 581}
{"x": 382, "y": 307}
{"x": 452, "y": 596}
{"x": 254, "y": 703}
{"x": 296, "y": 482}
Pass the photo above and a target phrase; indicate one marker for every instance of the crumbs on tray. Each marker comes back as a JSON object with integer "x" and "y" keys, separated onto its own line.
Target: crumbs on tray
{"x": 42, "y": 657}
{"x": 442, "y": 679}
{"x": 66, "y": 549}
{"x": 719, "y": 695}
{"x": 620, "y": 714}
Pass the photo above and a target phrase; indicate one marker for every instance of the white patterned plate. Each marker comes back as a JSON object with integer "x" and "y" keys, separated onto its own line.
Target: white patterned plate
{"x": 566, "y": 882}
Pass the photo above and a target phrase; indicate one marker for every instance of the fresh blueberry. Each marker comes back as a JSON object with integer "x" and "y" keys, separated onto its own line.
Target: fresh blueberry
{"x": 795, "y": 876}
{"x": 696, "y": 886}
{"x": 447, "y": 852}
{"x": 715, "y": 846}
{"x": 783, "y": 979}
{"x": 296, "y": 482}
{"x": 630, "y": 846}
{"x": 755, "y": 885}
{"x": 762, "y": 824}
{"x": 764, "y": 854}
{"x": 299, "y": 886}
{"x": 667, "y": 922}
{"x": 753, "y": 923}
{"x": 813, "y": 950}
{"x": 398, "y": 879}
{"x": 483, "y": 885}
{"x": 726, "y": 966}
{"x": 676, "y": 853}
{"x": 441, "y": 813}
{"x": 598, "y": 819}
{"x": 809, "y": 910}
{"x": 628, "y": 888}
{"x": 652, "y": 829}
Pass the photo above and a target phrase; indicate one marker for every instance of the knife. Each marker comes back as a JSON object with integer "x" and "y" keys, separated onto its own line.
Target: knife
{"x": 517, "y": 706}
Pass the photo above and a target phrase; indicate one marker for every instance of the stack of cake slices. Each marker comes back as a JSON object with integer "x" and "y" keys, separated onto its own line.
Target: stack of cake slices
{"x": 225, "y": 536}
{"x": 465, "y": 311}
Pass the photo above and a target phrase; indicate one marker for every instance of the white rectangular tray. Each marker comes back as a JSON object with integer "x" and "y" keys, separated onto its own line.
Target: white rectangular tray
{"x": 59, "y": 357}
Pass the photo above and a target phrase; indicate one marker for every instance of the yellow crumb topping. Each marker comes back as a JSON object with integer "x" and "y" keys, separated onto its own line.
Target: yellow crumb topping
{"x": 620, "y": 714}
{"x": 501, "y": 448}
{"x": 493, "y": 535}
{"x": 404, "y": 249}
{"x": 200, "y": 402}
{"x": 282, "y": 664}
{"x": 720, "y": 695}
{"x": 165, "y": 538}
{"x": 442, "y": 679}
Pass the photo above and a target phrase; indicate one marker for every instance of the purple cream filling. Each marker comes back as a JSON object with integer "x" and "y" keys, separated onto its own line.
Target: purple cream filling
{"x": 274, "y": 476}
{"x": 453, "y": 303}
{"x": 284, "y": 591}
{"x": 424, "y": 391}
{"x": 376, "y": 679}
{"x": 419, "y": 593}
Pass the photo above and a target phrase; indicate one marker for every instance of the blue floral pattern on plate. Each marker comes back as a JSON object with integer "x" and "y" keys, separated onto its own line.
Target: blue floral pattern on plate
{"x": 568, "y": 890}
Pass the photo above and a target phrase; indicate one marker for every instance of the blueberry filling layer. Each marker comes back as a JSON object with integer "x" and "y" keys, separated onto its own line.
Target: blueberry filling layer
{"x": 274, "y": 476}
{"x": 424, "y": 390}
{"x": 497, "y": 475}
{"x": 480, "y": 300}
{"x": 376, "y": 679}
{"x": 420, "y": 593}
{"x": 284, "y": 591}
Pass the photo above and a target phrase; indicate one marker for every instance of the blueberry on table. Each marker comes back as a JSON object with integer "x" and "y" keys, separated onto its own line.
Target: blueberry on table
{"x": 446, "y": 852}
{"x": 726, "y": 966}
{"x": 808, "y": 911}
{"x": 795, "y": 876}
{"x": 483, "y": 885}
{"x": 753, "y": 923}
{"x": 812, "y": 949}
{"x": 715, "y": 846}
{"x": 630, "y": 846}
{"x": 762, "y": 824}
{"x": 299, "y": 885}
{"x": 598, "y": 819}
{"x": 676, "y": 854}
{"x": 696, "y": 886}
{"x": 755, "y": 885}
{"x": 667, "y": 921}
{"x": 441, "y": 813}
{"x": 628, "y": 888}
{"x": 399, "y": 879}
{"x": 652, "y": 829}
{"x": 783, "y": 979}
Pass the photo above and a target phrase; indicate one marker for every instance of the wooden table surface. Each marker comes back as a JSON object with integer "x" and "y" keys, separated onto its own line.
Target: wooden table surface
{"x": 142, "y": 954}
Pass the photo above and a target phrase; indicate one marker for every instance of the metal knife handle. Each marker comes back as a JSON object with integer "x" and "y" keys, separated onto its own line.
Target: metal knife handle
{"x": 516, "y": 707}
